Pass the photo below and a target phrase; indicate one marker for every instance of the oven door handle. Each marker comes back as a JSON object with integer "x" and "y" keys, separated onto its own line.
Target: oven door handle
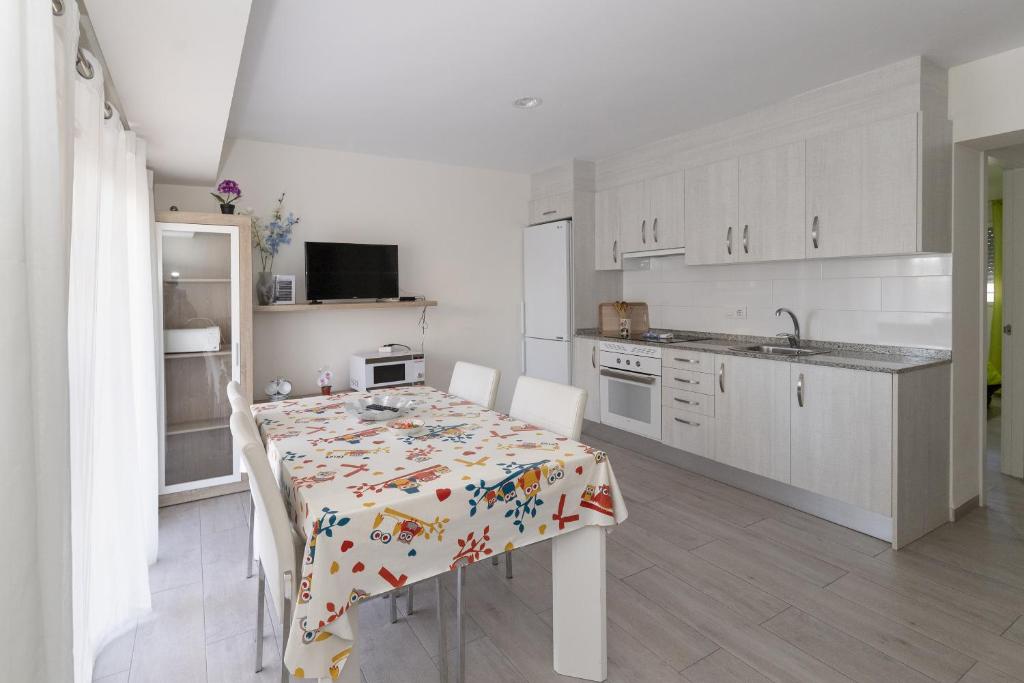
{"x": 629, "y": 377}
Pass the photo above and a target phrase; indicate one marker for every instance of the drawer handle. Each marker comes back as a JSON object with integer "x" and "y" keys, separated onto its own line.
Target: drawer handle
{"x": 686, "y": 422}
{"x": 689, "y": 403}
{"x": 615, "y": 251}
{"x": 800, "y": 390}
{"x": 643, "y": 231}
{"x": 687, "y": 381}
{"x": 548, "y": 213}
{"x": 593, "y": 356}
{"x": 654, "y": 228}
{"x": 686, "y": 360}
{"x": 814, "y": 232}
{"x": 721, "y": 377}
{"x": 746, "y": 240}
{"x": 728, "y": 241}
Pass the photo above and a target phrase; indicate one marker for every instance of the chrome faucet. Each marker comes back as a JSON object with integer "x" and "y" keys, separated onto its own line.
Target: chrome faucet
{"x": 794, "y": 339}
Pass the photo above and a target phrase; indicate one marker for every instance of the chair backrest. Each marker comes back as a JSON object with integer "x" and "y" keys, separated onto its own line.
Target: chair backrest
{"x": 234, "y": 390}
{"x": 475, "y": 383}
{"x": 272, "y": 537}
{"x": 552, "y": 406}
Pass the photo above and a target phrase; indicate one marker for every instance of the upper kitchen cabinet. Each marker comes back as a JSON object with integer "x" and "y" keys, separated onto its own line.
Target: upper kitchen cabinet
{"x": 663, "y": 203}
{"x": 865, "y": 194}
{"x": 711, "y": 212}
{"x": 608, "y": 216}
{"x": 771, "y": 204}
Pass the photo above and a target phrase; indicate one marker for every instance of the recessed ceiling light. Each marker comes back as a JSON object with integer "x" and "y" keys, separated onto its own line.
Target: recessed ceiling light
{"x": 527, "y": 102}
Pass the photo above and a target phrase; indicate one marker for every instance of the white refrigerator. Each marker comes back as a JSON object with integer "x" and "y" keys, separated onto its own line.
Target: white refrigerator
{"x": 547, "y": 302}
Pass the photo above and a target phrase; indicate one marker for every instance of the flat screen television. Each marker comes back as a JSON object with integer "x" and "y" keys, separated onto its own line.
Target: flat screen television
{"x": 341, "y": 270}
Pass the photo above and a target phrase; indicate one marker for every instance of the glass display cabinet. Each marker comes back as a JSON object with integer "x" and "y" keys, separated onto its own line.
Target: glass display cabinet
{"x": 207, "y": 322}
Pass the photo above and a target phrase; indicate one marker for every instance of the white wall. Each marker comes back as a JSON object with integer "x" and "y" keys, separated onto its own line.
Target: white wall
{"x": 901, "y": 300}
{"x": 459, "y": 232}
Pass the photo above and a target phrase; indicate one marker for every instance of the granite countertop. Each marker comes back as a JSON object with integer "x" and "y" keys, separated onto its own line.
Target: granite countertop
{"x": 869, "y": 357}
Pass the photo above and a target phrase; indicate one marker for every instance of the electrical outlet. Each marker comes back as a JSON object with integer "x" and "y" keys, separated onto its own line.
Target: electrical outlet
{"x": 738, "y": 313}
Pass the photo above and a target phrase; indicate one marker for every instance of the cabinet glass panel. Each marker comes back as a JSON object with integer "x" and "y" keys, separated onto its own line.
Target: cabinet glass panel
{"x": 200, "y": 325}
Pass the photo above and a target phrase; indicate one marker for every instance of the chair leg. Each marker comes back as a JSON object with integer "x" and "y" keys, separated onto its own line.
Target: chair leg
{"x": 460, "y": 631}
{"x": 508, "y": 564}
{"x": 286, "y": 622}
{"x": 494, "y": 560}
{"x": 442, "y": 631}
{"x": 261, "y": 608}
{"x": 408, "y": 601}
{"x": 394, "y": 606}
{"x": 252, "y": 520}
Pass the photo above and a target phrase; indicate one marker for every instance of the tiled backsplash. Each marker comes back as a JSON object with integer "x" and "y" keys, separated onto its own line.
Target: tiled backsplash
{"x": 898, "y": 300}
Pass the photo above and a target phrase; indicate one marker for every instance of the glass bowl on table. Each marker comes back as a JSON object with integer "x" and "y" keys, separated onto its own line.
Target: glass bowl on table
{"x": 379, "y": 407}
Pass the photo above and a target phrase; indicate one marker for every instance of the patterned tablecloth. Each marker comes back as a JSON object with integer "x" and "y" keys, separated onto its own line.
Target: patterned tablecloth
{"x": 381, "y": 510}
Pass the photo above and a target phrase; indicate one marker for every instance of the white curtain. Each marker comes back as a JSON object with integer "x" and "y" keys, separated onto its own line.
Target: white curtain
{"x": 113, "y": 392}
{"x": 35, "y": 568}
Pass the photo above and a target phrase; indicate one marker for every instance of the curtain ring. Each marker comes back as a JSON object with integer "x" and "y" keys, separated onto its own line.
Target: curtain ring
{"x": 108, "y": 111}
{"x": 83, "y": 65}
{"x": 58, "y": 8}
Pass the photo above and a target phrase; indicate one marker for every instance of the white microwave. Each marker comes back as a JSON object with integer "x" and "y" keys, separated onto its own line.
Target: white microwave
{"x": 373, "y": 369}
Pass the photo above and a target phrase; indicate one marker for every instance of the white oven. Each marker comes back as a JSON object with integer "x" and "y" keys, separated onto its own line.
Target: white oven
{"x": 631, "y": 388}
{"x": 373, "y": 369}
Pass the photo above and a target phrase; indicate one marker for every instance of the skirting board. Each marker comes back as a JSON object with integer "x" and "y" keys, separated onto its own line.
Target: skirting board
{"x": 958, "y": 513}
{"x": 847, "y": 515}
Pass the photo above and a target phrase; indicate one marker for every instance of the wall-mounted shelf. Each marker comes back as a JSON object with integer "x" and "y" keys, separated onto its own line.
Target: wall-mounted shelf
{"x": 295, "y": 308}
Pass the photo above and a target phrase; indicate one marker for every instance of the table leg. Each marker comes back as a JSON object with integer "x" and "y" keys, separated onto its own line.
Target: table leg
{"x": 579, "y": 611}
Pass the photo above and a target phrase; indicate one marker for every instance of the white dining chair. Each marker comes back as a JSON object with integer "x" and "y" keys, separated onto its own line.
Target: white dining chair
{"x": 475, "y": 383}
{"x": 278, "y": 548}
{"x": 240, "y": 405}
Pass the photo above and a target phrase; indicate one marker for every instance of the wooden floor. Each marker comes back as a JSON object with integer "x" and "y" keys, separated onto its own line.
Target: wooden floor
{"x": 705, "y": 583}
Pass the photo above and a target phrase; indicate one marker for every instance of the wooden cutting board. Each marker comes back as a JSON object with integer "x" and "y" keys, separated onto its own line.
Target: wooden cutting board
{"x": 608, "y": 318}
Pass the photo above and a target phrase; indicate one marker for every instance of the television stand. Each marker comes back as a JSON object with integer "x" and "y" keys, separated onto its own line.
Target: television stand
{"x": 361, "y": 305}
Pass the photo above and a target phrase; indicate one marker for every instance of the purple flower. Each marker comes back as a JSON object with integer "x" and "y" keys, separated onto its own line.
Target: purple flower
{"x": 229, "y": 187}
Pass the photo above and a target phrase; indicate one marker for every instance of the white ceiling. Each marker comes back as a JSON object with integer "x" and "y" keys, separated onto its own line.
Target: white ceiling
{"x": 435, "y": 80}
{"x": 174, "y": 65}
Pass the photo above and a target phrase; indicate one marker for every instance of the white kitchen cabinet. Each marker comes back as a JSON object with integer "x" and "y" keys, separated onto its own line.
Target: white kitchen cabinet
{"x": 687, "y": 431}
{"x": 771, "y": 204}
{"x": 586, "y": 369}
{"x": 863, "y": 190}
{"x": 663, "y": 205}
{"x": 711, "y": 212}
{"x": 752, "y": 415}
{"x": 841, "y": 426}
{"x": 551, "y": 208}
{"x": 613, "y": 207}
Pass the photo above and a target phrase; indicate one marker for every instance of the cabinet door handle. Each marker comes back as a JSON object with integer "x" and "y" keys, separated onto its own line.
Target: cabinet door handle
{"x": 721, "y": 377}
{"x": 548, "y": 213}
{"x": 814, "y": 232}
{"x": 593, "y": 356}
{"x": 643, "y": 231}
{"x": 615, "y": 251}
{"x": 800, "y": 390}
{"x": 654, "y": 229}
{"x": 686, "y": 422}
{"x": 746, "y": 241}
{"x": 728, "y": 241}
{"x": 686, "y": 360}
{"x": 689, "y": 403}
{"x": 687, "y": 381}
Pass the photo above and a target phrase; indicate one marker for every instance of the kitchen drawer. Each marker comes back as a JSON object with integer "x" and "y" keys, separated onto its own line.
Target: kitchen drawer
{"x": 553, "y": 208}
{"x": 687, "y": 359}
{"x": 700, "y": 382}
{"x": 688, "y": 400}
{"x": 687, "y": 431}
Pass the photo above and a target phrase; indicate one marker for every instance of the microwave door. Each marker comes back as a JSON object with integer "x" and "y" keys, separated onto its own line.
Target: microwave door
{"x": 387, "y": 373}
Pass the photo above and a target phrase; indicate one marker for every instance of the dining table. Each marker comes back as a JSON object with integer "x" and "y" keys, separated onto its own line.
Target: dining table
{"x": 381, "y": 508}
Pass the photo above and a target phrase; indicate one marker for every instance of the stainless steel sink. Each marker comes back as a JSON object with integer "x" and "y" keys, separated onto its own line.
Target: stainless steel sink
{"x": 778, "y": 350}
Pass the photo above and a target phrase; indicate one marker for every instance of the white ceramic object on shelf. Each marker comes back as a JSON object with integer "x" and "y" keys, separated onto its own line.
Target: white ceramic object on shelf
{"x": 278, "y": 389}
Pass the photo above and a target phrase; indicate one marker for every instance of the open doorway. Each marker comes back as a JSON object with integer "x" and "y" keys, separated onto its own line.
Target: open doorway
{"x": 1003, "y": 463}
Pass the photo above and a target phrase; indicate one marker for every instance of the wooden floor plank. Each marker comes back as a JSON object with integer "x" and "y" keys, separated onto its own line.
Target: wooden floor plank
{"x": 995, "y": 651}
{"x": 1015, "y": 631}
{"x": 722, "y": 667}
{"x": 764, "y": 651}
{"x": 842, "y": 652}
{"x": 897, "y": 640}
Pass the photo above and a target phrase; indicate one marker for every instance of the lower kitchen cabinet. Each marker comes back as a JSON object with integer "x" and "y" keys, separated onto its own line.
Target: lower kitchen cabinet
{"x": 687, "y": 431}
{"x": 586, "y": 374}
{"x": 841, "y": 426}
{"x": 752, "y": 415}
